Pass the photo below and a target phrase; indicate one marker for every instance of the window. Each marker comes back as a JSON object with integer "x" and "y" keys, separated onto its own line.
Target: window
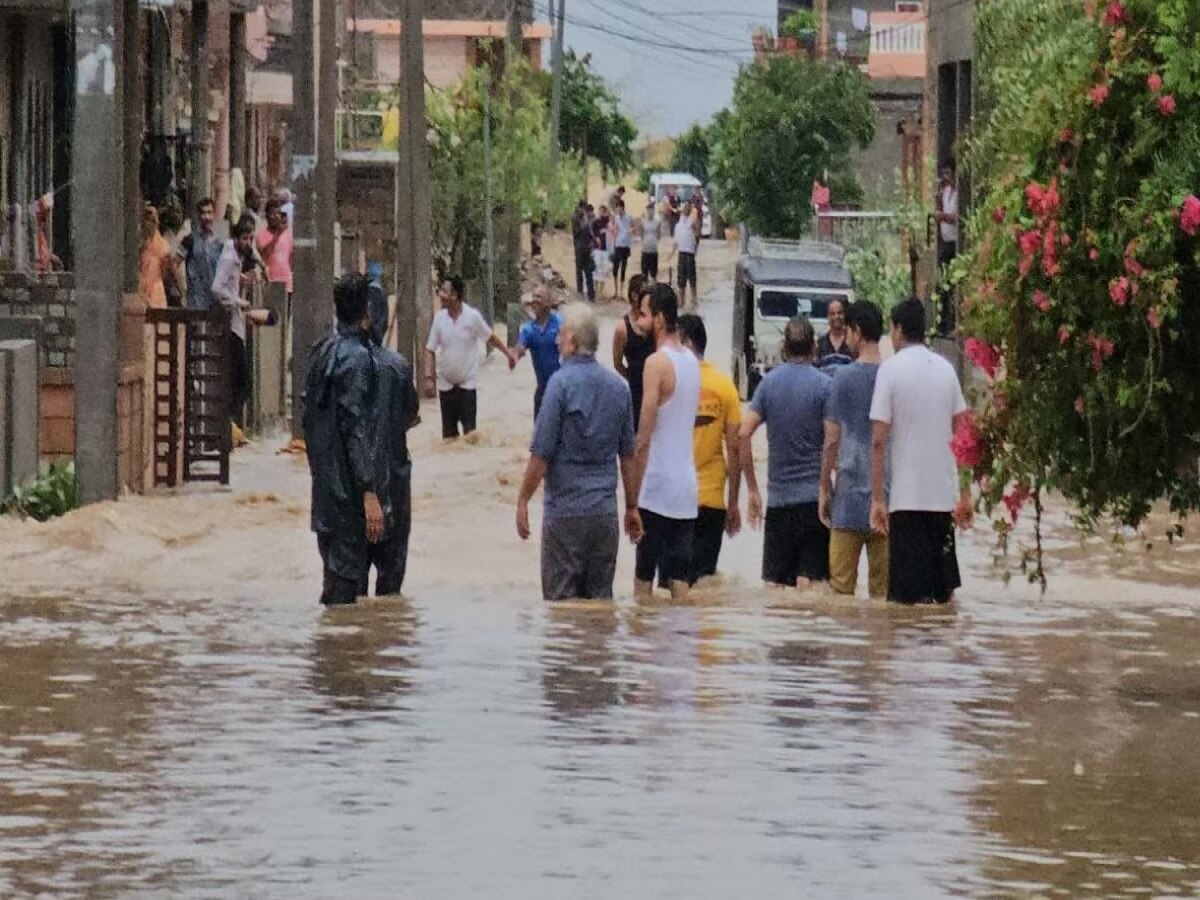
{"x": 909, "y": 6}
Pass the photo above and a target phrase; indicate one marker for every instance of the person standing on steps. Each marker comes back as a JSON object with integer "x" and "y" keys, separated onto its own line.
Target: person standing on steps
{"x": 585, "y": 430}
{"x": 631, "y": 347}
{"x": 347, "y": 514}
{"x": 668, "y": 493}
{"x": 539, "y": 338}
{"x": 791, "y": 401}
{"x": 453, "y": 355}
{"x": 915, "y": 409}
{"x": 845, "y": 506}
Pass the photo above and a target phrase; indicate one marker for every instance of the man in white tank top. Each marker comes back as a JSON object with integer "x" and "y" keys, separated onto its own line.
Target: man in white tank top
{"x": 664, "y": 458}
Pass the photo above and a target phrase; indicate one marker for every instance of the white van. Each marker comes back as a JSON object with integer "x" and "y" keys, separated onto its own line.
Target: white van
{"x": 683, "y": 186}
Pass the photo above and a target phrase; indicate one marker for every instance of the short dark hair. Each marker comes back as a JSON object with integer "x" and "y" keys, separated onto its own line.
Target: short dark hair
{"x": 244, "y": 227}
{"x": 253, "y": 198}
{"x": 273, "y": 205}
{"x": 456, "y": 285}
{"x": 637, "y": 285}
{"x": 620, "y": 188}
{"x": 799, "y": 339}
{"x": 664, "y": 300}
{"x": 867, "y": 318}
{"x": 692, "y": 331}
{"x": 909, "y": 316}
{"x": 350, "y": 296}
{"x": 203, "y": 202}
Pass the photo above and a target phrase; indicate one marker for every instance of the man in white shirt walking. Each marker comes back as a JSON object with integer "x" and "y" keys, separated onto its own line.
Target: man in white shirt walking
{"x": 651, "y": 228}
{"x": 622, "y": 238}
{"x": 227, "y": 286}
{"x": 454, "y": 354}
{"x": 917, "y": 403}
{"x": 687, "y": 240}
{"x": 664, "y": 459}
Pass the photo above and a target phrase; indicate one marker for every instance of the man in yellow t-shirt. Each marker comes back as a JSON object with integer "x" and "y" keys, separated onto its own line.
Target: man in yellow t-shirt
{"x": 715, "y": 447}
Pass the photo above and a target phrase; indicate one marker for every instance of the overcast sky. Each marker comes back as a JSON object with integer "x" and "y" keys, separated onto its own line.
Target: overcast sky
{"x": 672, "y": 62}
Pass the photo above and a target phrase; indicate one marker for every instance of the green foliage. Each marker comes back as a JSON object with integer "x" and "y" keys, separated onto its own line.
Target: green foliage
{"x": 693, "y": 150}
{"x": 50, "y": 496}
{"x": 791, "y": 121}
{"x": 642, "y": 183}
{"x": 520, "y": 174}
{"x": 876, "y": 259}
{"x": 592, "y": 123}
{"x": 801, "y": 23}
{"x": 1082, "y": 275}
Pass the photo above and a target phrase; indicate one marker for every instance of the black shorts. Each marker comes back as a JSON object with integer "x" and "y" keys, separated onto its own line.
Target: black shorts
{"x": 687, "y": 270}
{"x": 922, "y": 560}
{"x": 620, "y": 255}
{"x": 458, "y": 406}
{"x": 650, "y": 264}
{"x": 665, "y": 548}
{"x": 795, "y": 545}
{"x": 706, "y": 542}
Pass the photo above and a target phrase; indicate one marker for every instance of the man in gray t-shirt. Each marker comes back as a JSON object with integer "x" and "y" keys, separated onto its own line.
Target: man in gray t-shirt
{"x": 845, "y": 506}
{"x": 791, "y": 401}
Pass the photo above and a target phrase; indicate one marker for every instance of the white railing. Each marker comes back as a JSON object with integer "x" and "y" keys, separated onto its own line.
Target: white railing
{"x": 898, "y": 38}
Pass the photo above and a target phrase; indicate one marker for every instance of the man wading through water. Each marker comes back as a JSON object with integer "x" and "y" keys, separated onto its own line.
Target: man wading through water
{"x": 631, "y": 347}
{"x": 539, "y": 339}
{"x": 585, "y": 427}
{"x": 457, "y": 331}
{"x": 668, "y": 493}
{"x": 338, "y": 394}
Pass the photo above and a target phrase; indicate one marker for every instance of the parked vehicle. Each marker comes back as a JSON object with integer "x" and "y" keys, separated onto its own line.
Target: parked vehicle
{"x": 683, "y": 186}
{"x": 775, "y": 282}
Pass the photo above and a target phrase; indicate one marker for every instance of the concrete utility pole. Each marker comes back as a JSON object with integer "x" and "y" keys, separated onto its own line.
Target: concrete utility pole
{"x": 556, "y": 63}
{"x": 98, "y": 232}
{"x": 414, "y": 215}
{"x": 200, "y": 172}
{"x": 489, "y": 230}
{"x": 326, "y": 192}
{"x": 306, "y": 314}
{"x": 237, "y": 90}
{"x": 507, "y": 248}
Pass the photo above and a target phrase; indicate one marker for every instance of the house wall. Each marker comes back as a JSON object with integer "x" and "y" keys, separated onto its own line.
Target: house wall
{"x": 895, "y": 102}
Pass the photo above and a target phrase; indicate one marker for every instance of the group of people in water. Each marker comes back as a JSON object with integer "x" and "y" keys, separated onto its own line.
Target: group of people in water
{"x": 858, "y": 456}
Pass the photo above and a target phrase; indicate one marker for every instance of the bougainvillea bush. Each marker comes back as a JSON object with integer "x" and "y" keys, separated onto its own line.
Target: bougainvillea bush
{"x": 1081, "y": 289}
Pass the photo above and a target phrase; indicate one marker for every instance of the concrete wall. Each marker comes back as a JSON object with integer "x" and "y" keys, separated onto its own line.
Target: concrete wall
{"x": 50, "y": 298}
{"x": 366, "y": 211}
{"x": 18, "y": 414}
{"x": 878, "y": 165}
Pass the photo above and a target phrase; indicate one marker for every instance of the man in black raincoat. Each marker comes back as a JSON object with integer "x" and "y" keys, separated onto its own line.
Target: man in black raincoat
{"x": 339, "y": 401}
{"x": 395, "y": 410}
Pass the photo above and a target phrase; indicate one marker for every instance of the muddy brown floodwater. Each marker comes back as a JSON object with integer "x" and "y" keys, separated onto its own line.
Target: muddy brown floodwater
{"x": 178, "y": 717}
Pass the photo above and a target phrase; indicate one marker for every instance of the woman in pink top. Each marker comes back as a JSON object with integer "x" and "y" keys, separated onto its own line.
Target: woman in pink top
{"x": 275, "y": 246}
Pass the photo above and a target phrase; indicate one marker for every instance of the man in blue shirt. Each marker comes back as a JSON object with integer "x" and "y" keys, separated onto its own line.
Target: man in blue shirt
{"x": 791, "y": 402}
{"x": 586, "y": 426}
{"x": 539, "y": 339}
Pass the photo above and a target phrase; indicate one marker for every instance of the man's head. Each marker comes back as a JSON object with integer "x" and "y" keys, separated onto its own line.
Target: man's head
{"x": 149, "y": 221}
{"x": 350, "y": 296}
{"x": 274, "y": 213}
{"x": 539, "y": 302}
{"x": 836, "y": 315}
{"x": 579, "y": 333}
{"x": 947, "y": 171}
{"x": 451, "y": 291}
{"x": 206, "y": 212}
{"x": 660, "y": 311}
{"x": 799, "y": 340}
{"x": 603, "y": 211}
{"x": 637, "y": 285}
{"x": 619, "y": 206}
{"x": 253, "y": 199}
{"x": 651, "y": 210}
{"x": 908, "y": 322}
{"x": 693, "y": 334}
{"x": 243, "y": 234}
{"x": 864, "y": 324}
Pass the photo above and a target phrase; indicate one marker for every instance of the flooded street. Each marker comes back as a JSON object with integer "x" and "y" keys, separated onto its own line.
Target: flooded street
{"x": 179, "y": 717}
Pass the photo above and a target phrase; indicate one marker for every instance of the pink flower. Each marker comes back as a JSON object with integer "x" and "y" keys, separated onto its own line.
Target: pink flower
{"x": 967, "y": 444}
{"x": 1064, "y": 334}
{"x": 1153, "y": 319}
{"x": 1166, "y": 105}
{"x": 1041, "y": 300}
{"x": 1050, "y": 264}
{"x": 1029, "y": 242}
{"x": 1118, "y": 290}
{"x": 1093, "y": 254}
{"x": 1133, "y": 267}
{"x": 998, "y": 214}
{"x": 1043, "y": 201}
{"x": 984, "y": 355}
{"x": 1099, "y": 94}
{"x": 1102, "y": 349}
{"x": 1065, "y": 240}
{"x": 1115, "y": 14}
{"x": 1067, "y": 136}
{"x": 1079, "y": 404}
{"x": 1189, "y": 218}
{"x": 1015, "y": 499}
{"x": 1154, "y": 82}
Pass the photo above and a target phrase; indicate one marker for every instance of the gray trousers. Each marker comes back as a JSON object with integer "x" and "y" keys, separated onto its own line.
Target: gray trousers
{"x": 579, "y": 557}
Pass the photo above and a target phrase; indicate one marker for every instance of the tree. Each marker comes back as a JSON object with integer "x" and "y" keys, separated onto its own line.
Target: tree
{"x": 1082, "y": 287}
{"x": 693, "y": 149}
{"x": 593, "y": 125}
{"x": 791, "y": 122}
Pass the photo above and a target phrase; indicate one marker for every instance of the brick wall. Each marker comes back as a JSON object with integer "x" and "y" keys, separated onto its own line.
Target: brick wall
{"x": 51, "y": 298}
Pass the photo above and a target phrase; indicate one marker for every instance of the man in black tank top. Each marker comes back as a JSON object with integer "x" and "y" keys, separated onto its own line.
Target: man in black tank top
{"x": 631, "y": 348}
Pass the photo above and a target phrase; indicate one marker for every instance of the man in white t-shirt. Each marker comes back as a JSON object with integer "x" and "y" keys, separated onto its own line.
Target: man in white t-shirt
{"x": 457, "y": 331}
{"x": 946, "y": 215}
{"x": 687, "y": 239}
{"x": 918, "y": 403}
{"x": 651, "y": 227}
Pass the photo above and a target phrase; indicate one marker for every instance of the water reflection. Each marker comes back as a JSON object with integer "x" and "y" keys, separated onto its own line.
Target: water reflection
{"x": 362, "y": 655}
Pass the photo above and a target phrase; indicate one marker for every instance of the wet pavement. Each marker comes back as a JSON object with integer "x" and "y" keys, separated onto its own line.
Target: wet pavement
{"x": 184, "y": 720}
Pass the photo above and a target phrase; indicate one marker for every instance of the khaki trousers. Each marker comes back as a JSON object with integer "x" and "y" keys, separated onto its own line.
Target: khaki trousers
{"x": 845, "y": 548}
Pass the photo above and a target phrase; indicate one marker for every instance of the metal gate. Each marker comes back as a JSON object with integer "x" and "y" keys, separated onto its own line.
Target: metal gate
{"x": 191, "y": 400}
